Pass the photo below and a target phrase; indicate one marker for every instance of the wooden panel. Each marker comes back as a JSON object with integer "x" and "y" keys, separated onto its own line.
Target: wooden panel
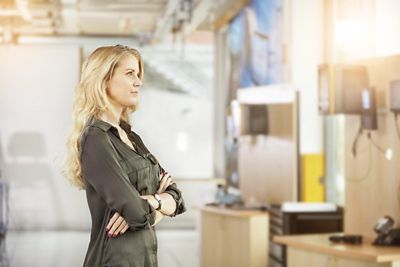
{"x": 258, "y": 241}
{"x": 372, "y": 181}
{"x": 233, "y": 240}
{"x": 319, "y": 243}
{"x": 297, "y": 257}
{"x": 268, "y": 164}
{"x": 218, "y": 242}
{"x": 227, "y": 10}
{"x": 231, "y": 212}
{"x": 340, "y": 262}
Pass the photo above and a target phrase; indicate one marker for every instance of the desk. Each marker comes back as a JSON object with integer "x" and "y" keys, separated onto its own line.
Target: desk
{"x": 232, "y": 237}
{"x": 316, "y": 250}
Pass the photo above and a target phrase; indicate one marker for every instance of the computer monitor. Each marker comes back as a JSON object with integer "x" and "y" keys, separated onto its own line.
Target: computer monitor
{"x": 340, "y": 88}
{"x": 254, "y": 119}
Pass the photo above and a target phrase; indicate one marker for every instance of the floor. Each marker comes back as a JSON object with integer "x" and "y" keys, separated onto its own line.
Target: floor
{"x": 67, "y": 248}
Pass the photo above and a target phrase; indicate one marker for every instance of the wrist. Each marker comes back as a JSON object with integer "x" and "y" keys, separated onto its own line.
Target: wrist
{"x": 157, "y": 201}
{"x": 153, "y": 202}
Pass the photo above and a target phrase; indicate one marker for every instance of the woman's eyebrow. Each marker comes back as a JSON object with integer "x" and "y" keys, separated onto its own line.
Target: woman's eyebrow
{"x": 130, "y": 69}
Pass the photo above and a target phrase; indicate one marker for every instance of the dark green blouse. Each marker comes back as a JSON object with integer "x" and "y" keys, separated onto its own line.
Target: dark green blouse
{"x": 115, "y": 177}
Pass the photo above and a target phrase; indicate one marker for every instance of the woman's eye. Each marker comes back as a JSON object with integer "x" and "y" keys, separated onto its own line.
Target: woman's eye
{"x": 130, "y": 73}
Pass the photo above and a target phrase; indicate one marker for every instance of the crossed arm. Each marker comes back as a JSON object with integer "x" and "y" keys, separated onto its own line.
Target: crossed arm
{"x": 117, "y": 224}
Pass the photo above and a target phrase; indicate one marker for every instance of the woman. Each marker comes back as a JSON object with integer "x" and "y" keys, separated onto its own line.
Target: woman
{"x": 127, "y": 190}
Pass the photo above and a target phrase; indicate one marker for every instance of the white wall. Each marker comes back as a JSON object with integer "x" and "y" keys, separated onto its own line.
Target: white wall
{"x": 181, "y": 141}
{"x": 36, "y": 88}
{"x": 305, "y": 49}
{"x": 387, "y": 27}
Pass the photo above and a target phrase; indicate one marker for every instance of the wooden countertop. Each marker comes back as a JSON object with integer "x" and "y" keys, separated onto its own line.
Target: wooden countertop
{"x": 320, "y": 243}
{"x": 232, "y": 211}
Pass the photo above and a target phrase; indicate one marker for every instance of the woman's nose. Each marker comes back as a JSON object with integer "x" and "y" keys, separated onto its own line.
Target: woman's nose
{"x": 137, "y": 82}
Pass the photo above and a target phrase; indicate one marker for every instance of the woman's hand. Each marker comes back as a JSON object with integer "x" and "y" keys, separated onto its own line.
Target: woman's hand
{"x": 116, "y": 225}
{"x": 158, "y": 217}
{"x": 152, "y": 201}
{"x": 165, "y": 181}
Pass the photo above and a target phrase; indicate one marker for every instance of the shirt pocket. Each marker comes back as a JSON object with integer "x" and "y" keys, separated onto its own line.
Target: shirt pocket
{"x": 140, "y": 179}
{"x": 132, "y": 166}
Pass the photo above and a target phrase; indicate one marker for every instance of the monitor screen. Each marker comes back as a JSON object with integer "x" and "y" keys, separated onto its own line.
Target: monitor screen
{"x": 254, "y": 119}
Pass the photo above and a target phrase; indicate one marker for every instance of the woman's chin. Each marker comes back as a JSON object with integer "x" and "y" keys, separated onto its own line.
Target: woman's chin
{"x": 132, "y": 102}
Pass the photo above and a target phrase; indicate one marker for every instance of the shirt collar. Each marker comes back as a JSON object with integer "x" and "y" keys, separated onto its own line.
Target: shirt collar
{"x": 126, "y": 126}
{"x": 105, "y": 126}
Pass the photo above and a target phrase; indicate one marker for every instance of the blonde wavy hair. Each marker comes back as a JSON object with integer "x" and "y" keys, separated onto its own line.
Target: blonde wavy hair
{"x": 91, "y": 99}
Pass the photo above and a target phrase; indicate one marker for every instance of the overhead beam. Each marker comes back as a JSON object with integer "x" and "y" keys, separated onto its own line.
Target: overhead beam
{"x": 133, "y": 6}
{"x": 225, "y": 12}
{"x": 200, "y": 13}
{"x": 164, "y": 25}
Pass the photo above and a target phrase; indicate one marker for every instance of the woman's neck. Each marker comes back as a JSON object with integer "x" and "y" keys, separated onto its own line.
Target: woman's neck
{"x": 113, "y": 115}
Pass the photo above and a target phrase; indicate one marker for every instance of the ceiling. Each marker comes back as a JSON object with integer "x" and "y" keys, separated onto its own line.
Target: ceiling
{"x": 146, "y": 20}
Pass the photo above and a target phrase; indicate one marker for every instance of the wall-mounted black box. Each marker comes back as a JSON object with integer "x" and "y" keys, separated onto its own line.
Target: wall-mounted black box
{"x": 340, "y": 88}
{"x": 395, "y": 96}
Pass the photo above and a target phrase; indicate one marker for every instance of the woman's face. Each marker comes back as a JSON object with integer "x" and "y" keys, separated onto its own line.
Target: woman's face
{"x": 123, "y": 87}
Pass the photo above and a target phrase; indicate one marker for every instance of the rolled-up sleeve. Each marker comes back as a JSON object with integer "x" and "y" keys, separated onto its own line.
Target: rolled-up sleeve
{"x": 101, "y": 169}
{"x": 172, "y": 189}
{"x": 177, "y": 196}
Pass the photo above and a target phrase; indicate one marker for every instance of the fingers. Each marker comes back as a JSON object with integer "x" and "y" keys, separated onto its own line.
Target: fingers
{"x": 113, "y": 230}
{"x": 164, "y": 183}
{"x": 167, "y": 183}
{"x": 116, "y": 225}
{"x": 123, "y": 226}
{"x": 162, "y": 175}
{"x": 164, "y": 187}
{"x": 124, "y": 229}
{"x": 112, "y": 220}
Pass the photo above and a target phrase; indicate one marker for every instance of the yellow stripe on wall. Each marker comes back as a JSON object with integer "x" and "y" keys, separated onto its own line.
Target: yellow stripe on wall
{"x": 312, "y": 169}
